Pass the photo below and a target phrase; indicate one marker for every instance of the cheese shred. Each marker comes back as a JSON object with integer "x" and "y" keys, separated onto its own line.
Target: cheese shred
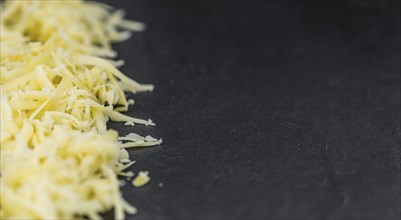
{"x": 59, "y": 87}
{"x": 142, "y": 179}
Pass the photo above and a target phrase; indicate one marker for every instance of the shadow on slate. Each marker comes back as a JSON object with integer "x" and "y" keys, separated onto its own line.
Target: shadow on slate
{"x": 267, "y": 110}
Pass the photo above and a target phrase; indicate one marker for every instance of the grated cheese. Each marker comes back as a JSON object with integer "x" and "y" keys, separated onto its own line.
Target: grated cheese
{"x": 141, "y": 179}
{"x": 58, "y": 90}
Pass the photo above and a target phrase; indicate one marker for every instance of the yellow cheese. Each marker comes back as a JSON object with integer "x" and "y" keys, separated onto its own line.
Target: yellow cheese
{"x": 58, "y": 90}
{"x": 135, "y": 140}
{"x": 141, "y": 179}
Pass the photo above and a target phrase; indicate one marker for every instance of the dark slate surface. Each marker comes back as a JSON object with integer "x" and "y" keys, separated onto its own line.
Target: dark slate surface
{"x": 268, "y": 110}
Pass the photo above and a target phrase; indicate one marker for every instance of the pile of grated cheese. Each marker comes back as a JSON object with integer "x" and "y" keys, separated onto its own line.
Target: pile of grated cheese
{"x": 59, "y": 86}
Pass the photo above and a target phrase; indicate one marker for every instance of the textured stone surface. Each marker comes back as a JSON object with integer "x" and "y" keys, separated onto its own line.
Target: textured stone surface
{"x": 268, "y": 110}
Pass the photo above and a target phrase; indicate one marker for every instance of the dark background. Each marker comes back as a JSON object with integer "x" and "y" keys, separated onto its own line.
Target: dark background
{"x": 267, "y": 109}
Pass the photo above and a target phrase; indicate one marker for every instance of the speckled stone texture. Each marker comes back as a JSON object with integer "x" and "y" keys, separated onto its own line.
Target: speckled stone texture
{"x": 269, "y": 110}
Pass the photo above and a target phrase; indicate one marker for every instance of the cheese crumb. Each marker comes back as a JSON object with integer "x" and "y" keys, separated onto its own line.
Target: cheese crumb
{"x": 141, "y": 179}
